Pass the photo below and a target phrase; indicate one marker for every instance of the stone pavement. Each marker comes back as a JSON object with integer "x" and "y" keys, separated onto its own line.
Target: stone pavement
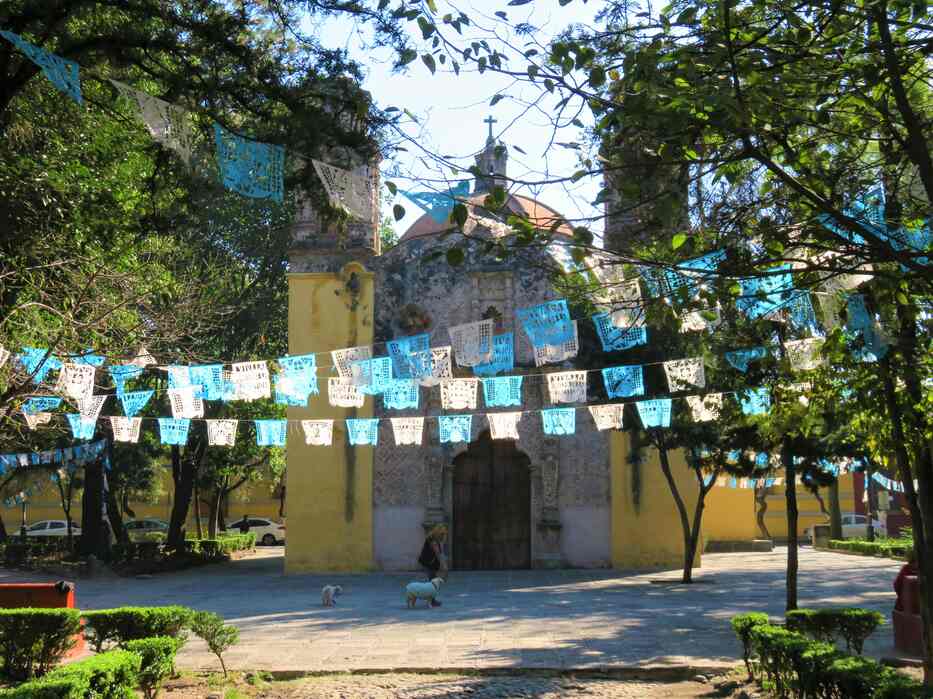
{"x": 496, "y": 620}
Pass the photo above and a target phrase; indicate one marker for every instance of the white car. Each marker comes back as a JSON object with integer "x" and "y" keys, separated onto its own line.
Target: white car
{"x": 268, "y": 533}
{"x": 52, "y": 527}
{"x": 853, "y": 527}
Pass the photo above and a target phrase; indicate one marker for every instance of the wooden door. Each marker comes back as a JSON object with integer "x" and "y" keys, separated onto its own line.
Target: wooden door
{"x": 491, "y": 507}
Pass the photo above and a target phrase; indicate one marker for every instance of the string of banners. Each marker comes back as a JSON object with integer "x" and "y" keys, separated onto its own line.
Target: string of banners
{"x": 250, "y": 168}
{"x": 77, "y": 455}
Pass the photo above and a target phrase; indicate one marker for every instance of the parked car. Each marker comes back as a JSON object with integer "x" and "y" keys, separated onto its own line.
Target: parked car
{"x": 853, "y": 527}
{"x": 268, "y": 533}
{"x": 138, "y": 528}
{"x": 52, "y": 527}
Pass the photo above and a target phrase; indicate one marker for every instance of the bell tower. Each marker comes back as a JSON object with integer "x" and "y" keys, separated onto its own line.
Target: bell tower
{"x": 491, "y": 163}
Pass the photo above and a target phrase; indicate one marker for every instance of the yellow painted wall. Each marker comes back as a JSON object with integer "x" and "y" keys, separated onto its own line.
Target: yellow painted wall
{"x": 650, "y": 535}
{"x": 257, "y": 501}
{"x": 808, "y": 507}
{"x": 329, "y": 495}
{"x": 730, "y": 515}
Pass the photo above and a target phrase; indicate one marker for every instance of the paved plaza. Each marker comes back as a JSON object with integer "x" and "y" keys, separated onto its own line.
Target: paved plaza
{"x": 496, "y": 620}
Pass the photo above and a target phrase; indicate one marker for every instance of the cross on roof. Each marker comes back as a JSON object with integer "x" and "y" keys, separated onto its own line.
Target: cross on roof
{"x": 489, "y": 120}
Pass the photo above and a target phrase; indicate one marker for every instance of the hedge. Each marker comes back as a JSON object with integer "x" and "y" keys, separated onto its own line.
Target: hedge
{"x": 206, "y": 550}
{"x": 851, "y": 624}
{"x": 125, "y": 624}
{"x": 32, "y": 641}
{"x": 112, "y": 675}
{"x": 743, "y": 624}
{"x": 158, "y": 661}
{"x": 796, "y": 665}
{"x": 891, "y": 548}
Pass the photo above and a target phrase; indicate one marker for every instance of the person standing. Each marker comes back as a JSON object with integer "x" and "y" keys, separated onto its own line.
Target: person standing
{"x": 432, "y": 558}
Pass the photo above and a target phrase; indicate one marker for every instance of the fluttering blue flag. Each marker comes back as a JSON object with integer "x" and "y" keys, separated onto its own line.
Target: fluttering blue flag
{"x": 690, "y": 273}
{"x": 755, "y": 401}
{"x": 32, "y": 360}
{"x": 503, "y": 356}
{"x": 372, "y": 376}
{"x": 455, "y": 428}
{"x": 411, "y": 356}
{"x": 559, "y": 420}
{"x": 860, "y": 323}
{"x": 762, "y": 459}
{"x": 174, "y": 430}
{"x": 62, "y": 73}
{"x": 271, "y": 433}
{"x": 548, "y": 323}
{"x": 868, "y": 213}
{"x": 41, "y": 404}
{"x": 210, "y": 380}
{"x": 624, "y": 381}
{"x": 134, "y": 401}
{"x": 439, "y": 205}
{"x": 250, "y": 168}
{"x": 616, "y": 339}
{"x": 81, "y": 429}
{"x": 401, "y": 394}
{"x": 802, "y": 315}
{"x": 741, "y": 358}
{"x": 297, "y": 381}
{"x": 654, "y": 413}
{"x": 502, "y": 391}
{"x": 763, "y": 295}
{"x": 121, "y": 373}
{"x": 363, "y": 431}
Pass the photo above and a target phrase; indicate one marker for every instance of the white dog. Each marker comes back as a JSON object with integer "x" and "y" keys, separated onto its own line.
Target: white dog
{"x": 422, "y": 590}
{"x": 329, "y": 595}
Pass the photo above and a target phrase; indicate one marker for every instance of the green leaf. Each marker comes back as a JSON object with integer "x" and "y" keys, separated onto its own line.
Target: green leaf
{"x": 459, "y": 214}
{"x": 427, "y": 28}
{"x": 678, "y": 240}
{"x": 902, "y": 298}
{"x": 495, "y": 100}
{"x": 407, "y": 56}
{"x": 455, "y": 257}
{"x": 398, "y": 211}
{"x": 428, "y": 60}
{"x": 432, "y": 5}
{"x": 392, "y": 187}
{"x": 687, "y": 16}
{"x": 502, "y": 15}
{"x": 517, "y": 3}
{"x": 597, "y": 76}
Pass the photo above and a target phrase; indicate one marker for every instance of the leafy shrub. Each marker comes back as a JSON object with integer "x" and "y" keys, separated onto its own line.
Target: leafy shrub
{"x": 32, "y": 641}
{"x": 210, "y": 549}
{"x": 158, "y": 661}
{"x": 743, "y": 624}
{"x": 219, "y": 637}
{"x": 110, "y": 675}
{"x": 131, "y": 623}
{"x": 891, "y": 548}
{"x": 851, "y": 624}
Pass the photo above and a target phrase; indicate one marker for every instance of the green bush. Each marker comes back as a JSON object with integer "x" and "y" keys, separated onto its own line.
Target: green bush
{"x": 794, "y": 665}
{"x": 158, "y": 661}
{"x": 890, "y": 548}
{"x": 850, "y": 624}
{"x": 219, "y": 637}
{"x": 112, "y": 675}
{"x": 32, "y": 641}
{"x": 743, "y": 624}
{"x": 210, "y": 549}
{"x": 131, "y": 623}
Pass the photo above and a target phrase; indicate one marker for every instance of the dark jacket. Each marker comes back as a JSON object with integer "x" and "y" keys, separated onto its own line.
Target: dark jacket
{"x": 428, "y": 557}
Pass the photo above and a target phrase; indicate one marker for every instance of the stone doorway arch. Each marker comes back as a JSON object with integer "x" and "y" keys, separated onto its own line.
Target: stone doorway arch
{"x": 491, "y": 499}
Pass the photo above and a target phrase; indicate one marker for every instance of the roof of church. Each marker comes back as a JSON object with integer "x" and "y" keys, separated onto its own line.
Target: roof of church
{"x": 541, "y": 215}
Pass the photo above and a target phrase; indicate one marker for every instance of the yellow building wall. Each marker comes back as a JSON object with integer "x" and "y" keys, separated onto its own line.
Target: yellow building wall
{"x": 730, "y": 515}
{"x": 329, "y": 495}
{"x": 808, "y": 506}
{"x": 648, "y": 535}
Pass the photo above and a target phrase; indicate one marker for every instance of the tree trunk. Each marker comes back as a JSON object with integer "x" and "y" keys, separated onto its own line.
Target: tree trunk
{"x": 790, "y": 492}
{"x": 197, "y": 510}
{"x": 183, "y": 474}
{"x": 761, "y": 506}
{"x": 94, "y": 539}
{"x": 835, "y": 511}
{"x": 214, "y": 513}
{"x": 116, "y": 519}
{"x": 3, "y": 534}
{"x": 869, "y": 471}
{"x": 689, "y": 542}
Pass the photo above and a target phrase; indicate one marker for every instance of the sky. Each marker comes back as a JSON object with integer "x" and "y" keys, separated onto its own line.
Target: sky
{"x": 450, "y": 109}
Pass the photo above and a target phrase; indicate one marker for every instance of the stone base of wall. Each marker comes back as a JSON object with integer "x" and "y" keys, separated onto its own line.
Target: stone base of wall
{"x": 737, "y": 546}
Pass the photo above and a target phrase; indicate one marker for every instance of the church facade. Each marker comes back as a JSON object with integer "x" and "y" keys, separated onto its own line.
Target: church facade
{"x": 540, "y": 501}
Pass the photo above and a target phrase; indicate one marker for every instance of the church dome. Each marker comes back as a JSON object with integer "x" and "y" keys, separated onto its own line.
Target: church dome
{"x": 540, "y": 215}
{"x": 491, "y": 166}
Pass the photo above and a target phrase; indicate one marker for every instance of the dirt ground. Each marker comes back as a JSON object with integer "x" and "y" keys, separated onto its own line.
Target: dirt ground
{"x": 447, "y": 686}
